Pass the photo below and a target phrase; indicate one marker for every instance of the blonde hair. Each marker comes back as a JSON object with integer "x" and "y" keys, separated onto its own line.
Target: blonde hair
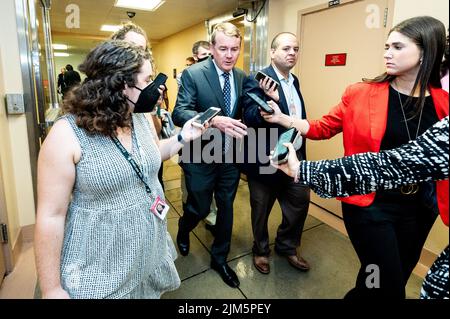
{"x": 226, "y": 28}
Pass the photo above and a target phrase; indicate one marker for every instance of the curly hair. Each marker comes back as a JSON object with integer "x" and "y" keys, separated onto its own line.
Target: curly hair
{"x": 99, "y": 103}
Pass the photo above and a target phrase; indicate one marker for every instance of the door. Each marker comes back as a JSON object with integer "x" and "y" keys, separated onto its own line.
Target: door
{"x": 355, "y": 28}
{"x": 4, "y": 247}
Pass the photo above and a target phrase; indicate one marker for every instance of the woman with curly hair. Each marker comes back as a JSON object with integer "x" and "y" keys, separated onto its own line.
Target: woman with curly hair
{"x": 98, "y": 232}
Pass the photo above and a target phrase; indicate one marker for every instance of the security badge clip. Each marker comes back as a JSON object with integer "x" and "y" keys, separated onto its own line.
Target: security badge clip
{"x": 160, "y": 208}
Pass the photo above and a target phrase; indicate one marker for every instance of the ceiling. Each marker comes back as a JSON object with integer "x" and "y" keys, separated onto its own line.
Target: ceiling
{"x": 172, "y": 17}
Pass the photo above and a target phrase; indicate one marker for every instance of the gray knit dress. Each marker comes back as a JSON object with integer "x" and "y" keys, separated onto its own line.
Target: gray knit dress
{"x": 114, "y": 246}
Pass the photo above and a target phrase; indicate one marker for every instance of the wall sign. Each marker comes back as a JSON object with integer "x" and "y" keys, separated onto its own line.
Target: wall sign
{"x": 334, "y": 3}
{"x": 335, "y": 59}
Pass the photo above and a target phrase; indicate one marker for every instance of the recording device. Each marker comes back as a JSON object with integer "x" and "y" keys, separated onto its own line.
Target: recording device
{"x": 261, "y": 75}
{"x": 281, "y": 152}
{"x": 261, "y": 103}
{"x": 207, "y": 116}
{"x": 160, "y": 79}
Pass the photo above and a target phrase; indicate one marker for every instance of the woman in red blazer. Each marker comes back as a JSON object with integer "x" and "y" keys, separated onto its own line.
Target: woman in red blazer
{"x": 388, "y": 228}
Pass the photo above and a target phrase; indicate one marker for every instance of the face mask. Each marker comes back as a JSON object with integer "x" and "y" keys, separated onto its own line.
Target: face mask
{"x": 147, "y": 99}
{"x": 203, "y": 59}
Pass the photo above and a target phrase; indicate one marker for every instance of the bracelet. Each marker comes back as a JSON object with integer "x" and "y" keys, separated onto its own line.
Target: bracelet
{"x": 291, "y": 124}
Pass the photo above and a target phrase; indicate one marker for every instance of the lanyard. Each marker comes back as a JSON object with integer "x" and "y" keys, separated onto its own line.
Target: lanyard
{"x": 132, "y": 163}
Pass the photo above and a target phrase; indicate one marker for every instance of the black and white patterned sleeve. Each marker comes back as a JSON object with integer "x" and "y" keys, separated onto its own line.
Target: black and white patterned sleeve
{"x": 423, "y": 159}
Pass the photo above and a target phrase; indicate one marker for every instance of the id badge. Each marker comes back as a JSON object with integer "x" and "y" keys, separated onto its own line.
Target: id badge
{"x": 160, "y": 208}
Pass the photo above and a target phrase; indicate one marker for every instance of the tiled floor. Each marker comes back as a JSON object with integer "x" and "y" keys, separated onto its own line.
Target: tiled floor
{"x": 330, "y": 253}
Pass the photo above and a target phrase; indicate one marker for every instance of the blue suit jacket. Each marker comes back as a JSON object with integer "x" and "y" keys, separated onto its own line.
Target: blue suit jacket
{"x": 252, "y": 118}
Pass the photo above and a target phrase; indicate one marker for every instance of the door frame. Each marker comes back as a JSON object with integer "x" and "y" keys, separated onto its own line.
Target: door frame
{"x": 300, "y": 32}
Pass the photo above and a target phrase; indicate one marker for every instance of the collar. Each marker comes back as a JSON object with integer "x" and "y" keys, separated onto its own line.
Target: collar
{"x": 289, "y": 80}
{"x": 219, "y": 71}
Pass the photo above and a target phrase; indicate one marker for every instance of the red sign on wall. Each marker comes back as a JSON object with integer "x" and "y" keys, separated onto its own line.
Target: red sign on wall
{"x": 335, "y": 59}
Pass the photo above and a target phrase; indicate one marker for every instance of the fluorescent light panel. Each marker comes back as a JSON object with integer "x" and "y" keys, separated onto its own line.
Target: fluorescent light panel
{"x": 61, "y": 54}
{"x": 110, "y": 28}
{"x": 59, "y": 46}
{"x": 147, "y": 5}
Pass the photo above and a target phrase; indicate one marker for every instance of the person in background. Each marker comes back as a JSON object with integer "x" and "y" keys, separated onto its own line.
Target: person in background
{"x": 214, "y": 82}
{"x": 201, "y": 51}
{"x": 389, "y": 228}
{"x": 98, "y": 232}
{"x": 421, "y": 160}
{"x": 265, "y": 188}
{"x": 445, "y": 68}
{"x": 71, "y": 78}
{"x": 189, "y": 61}
{"x": 60, "y": 84}
{"x": 133, "y": 33}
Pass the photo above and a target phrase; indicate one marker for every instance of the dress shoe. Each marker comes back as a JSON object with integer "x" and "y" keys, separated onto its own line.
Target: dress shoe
{"x": 183, "y": 243}
{"x": 298, "y": 262}
{"x": 211, "y": 228}
{"x": 228, "y": 275}
{"x": 261, "y": 263}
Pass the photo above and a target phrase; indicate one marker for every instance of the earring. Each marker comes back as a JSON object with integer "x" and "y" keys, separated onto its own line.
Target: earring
{"x": 421, "y": 59}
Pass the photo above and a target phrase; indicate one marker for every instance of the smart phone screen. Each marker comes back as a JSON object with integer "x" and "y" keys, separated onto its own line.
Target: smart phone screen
{"x": 280, "y": 151}
{"x": 160, "y": 79}
{"x": 261, "y": 103}
{"x": 208, "y": 115}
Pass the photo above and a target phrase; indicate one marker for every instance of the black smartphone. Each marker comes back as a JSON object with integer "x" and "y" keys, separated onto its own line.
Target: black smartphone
{"x": 160, "y": 79}
{"x": 261, "y": 103}
{"x": 280, "y": 152}
{"x": 261, "y": 75}
{"x": 207, "y": 115}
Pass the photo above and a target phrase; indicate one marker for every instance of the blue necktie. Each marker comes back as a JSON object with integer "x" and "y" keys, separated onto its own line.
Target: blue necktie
{"x": 227, "y": 93}
{"x": 227, "y": 99}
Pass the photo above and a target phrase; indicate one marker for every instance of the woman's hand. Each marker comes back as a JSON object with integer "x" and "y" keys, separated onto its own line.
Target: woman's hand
{"x": 268, "y": 86}
{"x": 290, "y": 168}
{"x": 190, "y": 132}
{"x": 277, "y": 115}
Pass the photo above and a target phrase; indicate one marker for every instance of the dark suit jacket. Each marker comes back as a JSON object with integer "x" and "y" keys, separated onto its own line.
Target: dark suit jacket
{"x": 252, "y": 118}
{"x": 200, "y": 89}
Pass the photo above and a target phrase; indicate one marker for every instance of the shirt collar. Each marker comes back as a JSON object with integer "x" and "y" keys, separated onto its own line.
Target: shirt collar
{"x": 219, "y": 71}
{"x": 280, "y": 76}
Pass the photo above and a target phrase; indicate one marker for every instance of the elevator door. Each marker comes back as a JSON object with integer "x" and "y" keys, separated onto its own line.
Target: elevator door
{"x": 356, "y": 29}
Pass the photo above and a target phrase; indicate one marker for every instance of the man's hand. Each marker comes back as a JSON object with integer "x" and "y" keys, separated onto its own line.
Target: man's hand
{"x": 229, "y": 126}
{"x": 268, "y": 86}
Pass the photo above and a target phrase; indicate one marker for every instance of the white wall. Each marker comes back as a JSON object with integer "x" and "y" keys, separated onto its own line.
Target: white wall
{"x": 16, "y": 167}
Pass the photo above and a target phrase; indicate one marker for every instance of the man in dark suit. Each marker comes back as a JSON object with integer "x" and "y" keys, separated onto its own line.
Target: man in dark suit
{"x": 214, "y": 82}
{"x": 71, "y": 78}
{"x": 265, "y": 184}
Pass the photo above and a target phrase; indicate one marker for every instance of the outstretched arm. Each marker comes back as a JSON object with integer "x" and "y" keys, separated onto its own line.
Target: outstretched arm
{"x": 424, "y": 159}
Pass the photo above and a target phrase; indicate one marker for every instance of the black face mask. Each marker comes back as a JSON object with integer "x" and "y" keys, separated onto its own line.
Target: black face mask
{"x": 203, "y": 59}
{"x": 147, "y": 99}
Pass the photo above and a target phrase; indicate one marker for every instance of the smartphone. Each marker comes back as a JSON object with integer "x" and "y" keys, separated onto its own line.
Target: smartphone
{"x": 160, "y": 79}
{"x": 281, "y": 152}
{"x": 154, "y": 94}
{"x": 261, "y": 103}
{"x": 207, "y": 115}
{"x": 261, "y": 75}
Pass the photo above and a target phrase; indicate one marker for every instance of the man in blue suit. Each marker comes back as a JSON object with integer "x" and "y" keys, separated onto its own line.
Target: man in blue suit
{"x": 214, "y": 82}
{"x": 264, "y": 184}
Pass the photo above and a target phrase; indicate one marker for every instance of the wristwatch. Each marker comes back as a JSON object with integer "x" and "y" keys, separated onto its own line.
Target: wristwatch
{"x": 180, "y": 139}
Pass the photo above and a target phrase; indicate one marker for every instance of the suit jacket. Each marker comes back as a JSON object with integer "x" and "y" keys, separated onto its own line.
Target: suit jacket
{"x": 200, "y": 89}
{"x": 252, "y": 118}
{"x": 362, "y": 117}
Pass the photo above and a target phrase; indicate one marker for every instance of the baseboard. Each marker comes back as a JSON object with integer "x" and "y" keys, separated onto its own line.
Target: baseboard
{"x": 427, "y": 257}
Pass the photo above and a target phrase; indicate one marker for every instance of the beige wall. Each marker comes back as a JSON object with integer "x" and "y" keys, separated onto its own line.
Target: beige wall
{"x": 14, "y": 152}
{"x": 171, "y": 53}
{"x": 283, "y": 17}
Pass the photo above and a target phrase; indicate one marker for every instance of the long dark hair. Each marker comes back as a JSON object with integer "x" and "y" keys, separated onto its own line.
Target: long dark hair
{"x": 99, "y": 103}
{"x": 428, "y": 34}
{"x": 445, "y": 64}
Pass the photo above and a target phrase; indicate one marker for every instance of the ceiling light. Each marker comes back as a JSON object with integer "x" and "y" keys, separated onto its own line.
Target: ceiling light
{"x": 147, "y": 5}
{"x": 110, "y": 28}
{"x": 59, "y": 46}
{"x": 61, "y": 54}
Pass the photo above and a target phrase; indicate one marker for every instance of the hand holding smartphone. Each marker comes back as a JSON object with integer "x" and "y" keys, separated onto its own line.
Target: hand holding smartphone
{"x": 206, "y": 116}
{"x": 261, "y": 103}
{"x": 280, "y": 153}
{"x": 261, "y": 76}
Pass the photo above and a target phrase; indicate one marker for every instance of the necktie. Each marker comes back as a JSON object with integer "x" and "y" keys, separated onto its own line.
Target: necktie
{"x": 227, "y": 99}
{"x": 227, "y": 93}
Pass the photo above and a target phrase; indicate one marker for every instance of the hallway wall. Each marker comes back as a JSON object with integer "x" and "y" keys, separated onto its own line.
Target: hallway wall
{"x": 283, "y": 17}
{"x": 171, "y": 53}
{"x": 14, "y": 154}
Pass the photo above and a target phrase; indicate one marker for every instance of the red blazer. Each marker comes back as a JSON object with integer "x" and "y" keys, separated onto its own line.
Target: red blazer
{"x": 361, "y": 116}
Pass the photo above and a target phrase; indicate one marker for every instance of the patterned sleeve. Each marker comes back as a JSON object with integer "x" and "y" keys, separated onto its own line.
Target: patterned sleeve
{"x": 424, "y": 159}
